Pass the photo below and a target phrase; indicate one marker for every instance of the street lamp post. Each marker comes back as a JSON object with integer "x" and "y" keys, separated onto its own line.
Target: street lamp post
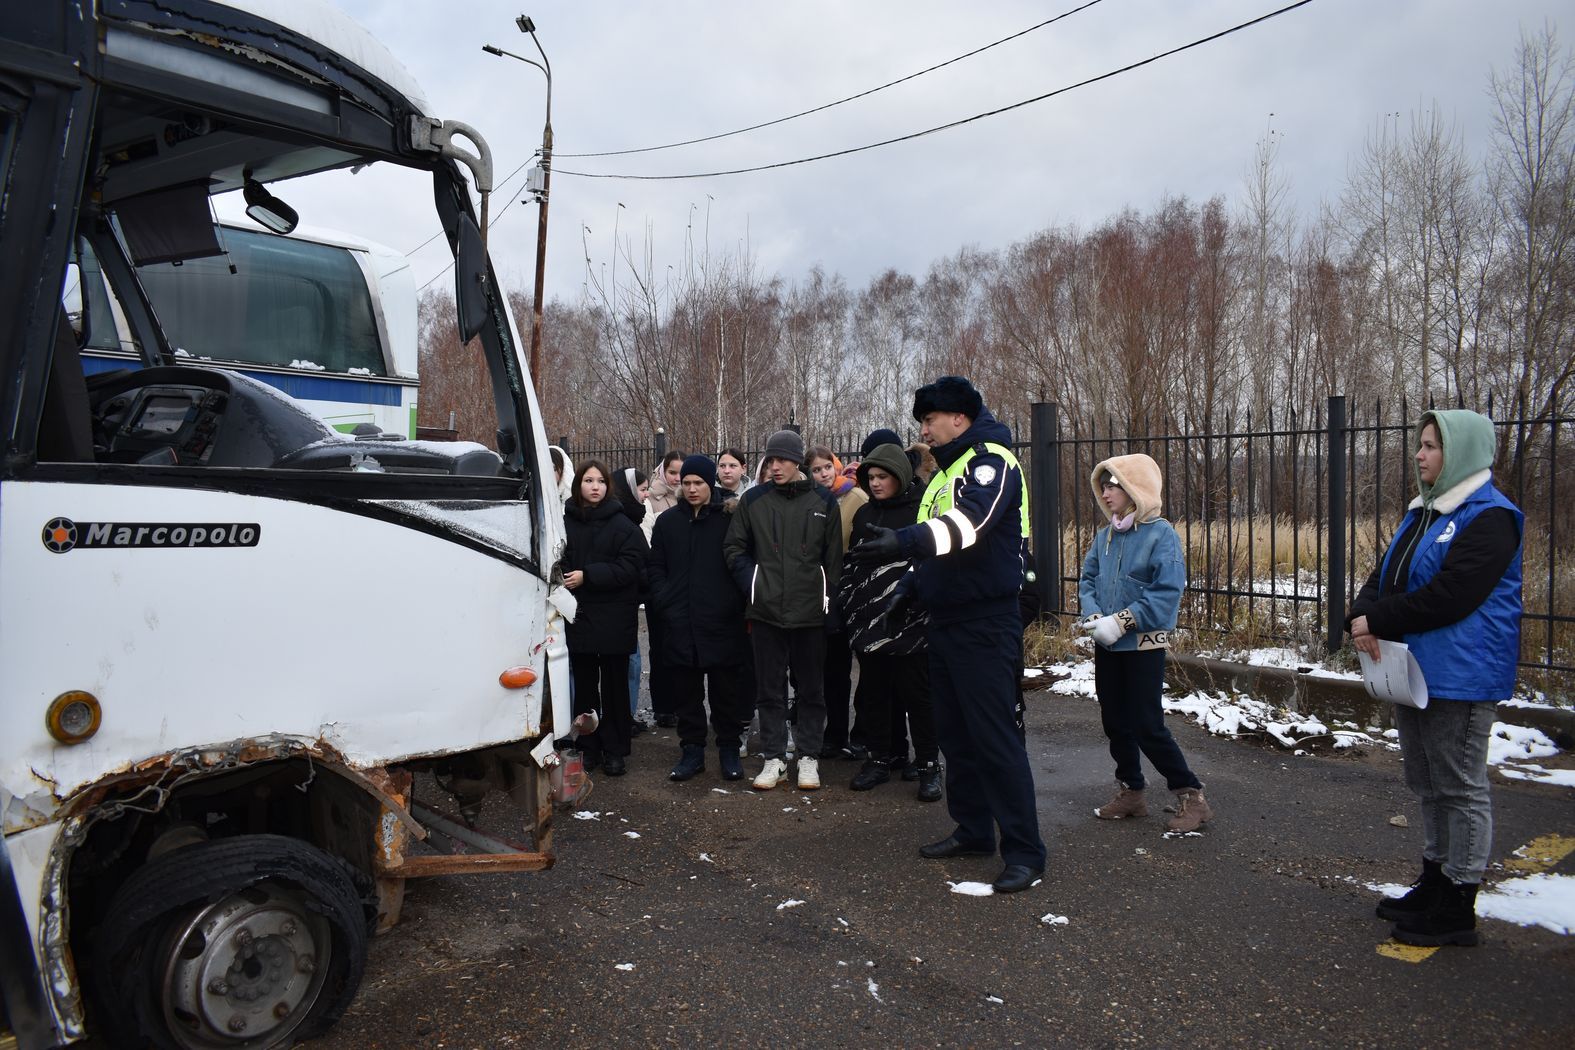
{"x": 527, "y": 26}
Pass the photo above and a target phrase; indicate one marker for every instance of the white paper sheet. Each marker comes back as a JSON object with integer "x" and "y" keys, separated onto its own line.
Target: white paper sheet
{"x": 1396, "y": 676}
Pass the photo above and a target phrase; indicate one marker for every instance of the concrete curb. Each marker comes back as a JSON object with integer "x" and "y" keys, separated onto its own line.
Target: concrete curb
{"x": 1336, "y": 699}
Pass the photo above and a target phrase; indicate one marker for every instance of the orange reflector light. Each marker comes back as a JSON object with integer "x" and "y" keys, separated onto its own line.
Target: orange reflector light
{"x": 517, "y": 678}
{"x": 73, "y": 717}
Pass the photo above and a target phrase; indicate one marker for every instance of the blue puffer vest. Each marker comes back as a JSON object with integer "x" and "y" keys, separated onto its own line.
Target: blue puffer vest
{"x": 1473, "y": 658}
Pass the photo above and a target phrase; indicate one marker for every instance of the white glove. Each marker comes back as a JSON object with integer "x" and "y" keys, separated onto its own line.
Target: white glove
{"x": 1107, "y": 630}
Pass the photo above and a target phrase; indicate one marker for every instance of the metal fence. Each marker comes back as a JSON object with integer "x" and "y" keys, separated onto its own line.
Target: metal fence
{"x": 1282, "y": 517}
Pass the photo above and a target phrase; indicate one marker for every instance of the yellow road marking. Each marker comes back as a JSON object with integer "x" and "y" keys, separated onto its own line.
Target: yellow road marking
{"x": 1405, "y": 952}
{"x": 1540, "y": 854}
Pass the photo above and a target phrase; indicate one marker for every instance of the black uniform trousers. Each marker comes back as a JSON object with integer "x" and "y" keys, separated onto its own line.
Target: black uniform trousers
{"x": 989, "y": 785}
{"x": 692, "y": 687}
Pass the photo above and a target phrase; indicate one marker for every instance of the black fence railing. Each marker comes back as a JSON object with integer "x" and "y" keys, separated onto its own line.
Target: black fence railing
{"x": 1282, "y": 516}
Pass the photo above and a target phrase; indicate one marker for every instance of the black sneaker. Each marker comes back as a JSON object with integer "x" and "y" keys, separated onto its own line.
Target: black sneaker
{"x": 732, "y": 764}
{"x": 854, "y": 752}
{"x": 929, "y": 777}
{"x": 909, "y": 770}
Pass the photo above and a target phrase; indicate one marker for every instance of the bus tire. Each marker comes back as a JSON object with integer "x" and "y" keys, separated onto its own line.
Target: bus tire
{"x": 251, "y": 941}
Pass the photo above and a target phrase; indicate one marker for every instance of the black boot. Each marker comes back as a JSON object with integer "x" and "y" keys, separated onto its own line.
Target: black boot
{"x": 692, "y": 762}
{"x": 732, "y": 765}
{"x": 1418, "y": 898}
{"x": 929, "y": 782}
{"x": 872, "y": 774}
{"x": 1452, "y": 919}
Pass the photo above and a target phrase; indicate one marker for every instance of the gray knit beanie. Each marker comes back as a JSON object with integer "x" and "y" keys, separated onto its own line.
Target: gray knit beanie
{"x": 784, "y": 444}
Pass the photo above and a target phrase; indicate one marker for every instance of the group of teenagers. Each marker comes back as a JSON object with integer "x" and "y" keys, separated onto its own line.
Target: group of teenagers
{"x": 913, "y": 560}
{"x": 733, "y": 629}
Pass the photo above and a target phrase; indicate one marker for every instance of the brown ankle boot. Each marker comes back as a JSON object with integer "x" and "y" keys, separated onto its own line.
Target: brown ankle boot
{"x": 1128, "y": 802}
{"x": 1192, "y": 810}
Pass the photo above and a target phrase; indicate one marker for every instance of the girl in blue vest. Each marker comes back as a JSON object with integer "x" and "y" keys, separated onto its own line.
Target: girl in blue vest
{"x": 1449, "y": 587}
{"x": 1130, "y": 593}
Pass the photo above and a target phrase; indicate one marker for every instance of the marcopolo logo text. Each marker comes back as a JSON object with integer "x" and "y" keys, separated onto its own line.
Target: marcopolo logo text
{"x": 63, "y": 534}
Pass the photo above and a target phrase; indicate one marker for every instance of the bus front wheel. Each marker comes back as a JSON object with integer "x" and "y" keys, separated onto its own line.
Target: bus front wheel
{"x": 249, "y": 941}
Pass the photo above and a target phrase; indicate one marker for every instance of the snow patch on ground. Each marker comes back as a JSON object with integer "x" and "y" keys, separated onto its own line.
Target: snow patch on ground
{"x": 631, "y": 834}
{"x": 874, "y": 990}
{"x": 1052, "y": 919}
{"x": 1511, "y": 743}
{"x": 624, "y": 966}
{"x": 1231, "y": 715}
{"x": 971, "y": 889}
{"x": 1536, "y": 900}
{"x": 587, "y": 814}
{"x": 1075, "y": 679}
{"x": 1536, "y": 699}
{"x": 1538, "y": 774}
{"x": 790, "y": 903}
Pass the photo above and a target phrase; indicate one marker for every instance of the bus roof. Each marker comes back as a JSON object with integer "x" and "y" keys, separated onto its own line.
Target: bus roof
{"x": 337, "y": 31}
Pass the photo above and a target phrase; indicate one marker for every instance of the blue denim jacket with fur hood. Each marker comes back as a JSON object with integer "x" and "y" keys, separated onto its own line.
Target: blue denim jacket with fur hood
{"x": 1139, "y": 574}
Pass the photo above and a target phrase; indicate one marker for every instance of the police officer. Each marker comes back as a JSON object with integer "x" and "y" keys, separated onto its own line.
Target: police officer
{"x": 969, "y": 547}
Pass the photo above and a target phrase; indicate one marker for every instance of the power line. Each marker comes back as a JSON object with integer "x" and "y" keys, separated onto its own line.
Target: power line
{"x": 944, "y": 127}
{"x": 840, "y": 101}
{"x": 493, "y": 222}
{"x": 499, "y": 190}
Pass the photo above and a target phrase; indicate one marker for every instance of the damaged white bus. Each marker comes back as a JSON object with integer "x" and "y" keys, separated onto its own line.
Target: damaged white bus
{"x": 232, "y": 638}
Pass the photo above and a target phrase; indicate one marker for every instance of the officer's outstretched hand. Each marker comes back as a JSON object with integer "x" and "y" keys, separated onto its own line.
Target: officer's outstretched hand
{"x": 879, "y": 545}
{"x": 896, "y": 612}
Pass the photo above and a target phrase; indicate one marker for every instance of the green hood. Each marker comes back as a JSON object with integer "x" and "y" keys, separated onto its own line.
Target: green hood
{"x": 890, "y": 458}
{"x": 1468, "y": 443}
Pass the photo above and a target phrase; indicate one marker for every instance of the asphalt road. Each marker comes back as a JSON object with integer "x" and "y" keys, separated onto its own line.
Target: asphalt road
{"x": 1258, "y": 932}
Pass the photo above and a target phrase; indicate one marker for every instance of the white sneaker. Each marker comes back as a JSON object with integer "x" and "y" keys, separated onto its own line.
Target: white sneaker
{"x": 775, "y": 769}
{"x": 808, "y": 774}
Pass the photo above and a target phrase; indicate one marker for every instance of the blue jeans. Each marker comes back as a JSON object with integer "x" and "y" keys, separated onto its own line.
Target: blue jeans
{"x": 1445, "y": 751}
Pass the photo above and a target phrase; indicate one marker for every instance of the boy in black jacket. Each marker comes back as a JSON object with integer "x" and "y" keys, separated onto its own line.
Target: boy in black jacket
{"x": 784, "y": 548}
{"x": 703, "y": 618}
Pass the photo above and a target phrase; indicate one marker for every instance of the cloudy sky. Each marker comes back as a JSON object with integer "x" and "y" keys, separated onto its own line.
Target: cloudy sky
{"x": 633, "y": 73}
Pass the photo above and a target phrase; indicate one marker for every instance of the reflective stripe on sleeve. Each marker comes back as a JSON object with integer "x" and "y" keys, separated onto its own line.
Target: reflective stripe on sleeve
{"x": 965, "y": 530}
{"x": 943, "y": 536}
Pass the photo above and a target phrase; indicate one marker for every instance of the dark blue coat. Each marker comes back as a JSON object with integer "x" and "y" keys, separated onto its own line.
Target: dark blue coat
{"x": 692, "y": 593}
